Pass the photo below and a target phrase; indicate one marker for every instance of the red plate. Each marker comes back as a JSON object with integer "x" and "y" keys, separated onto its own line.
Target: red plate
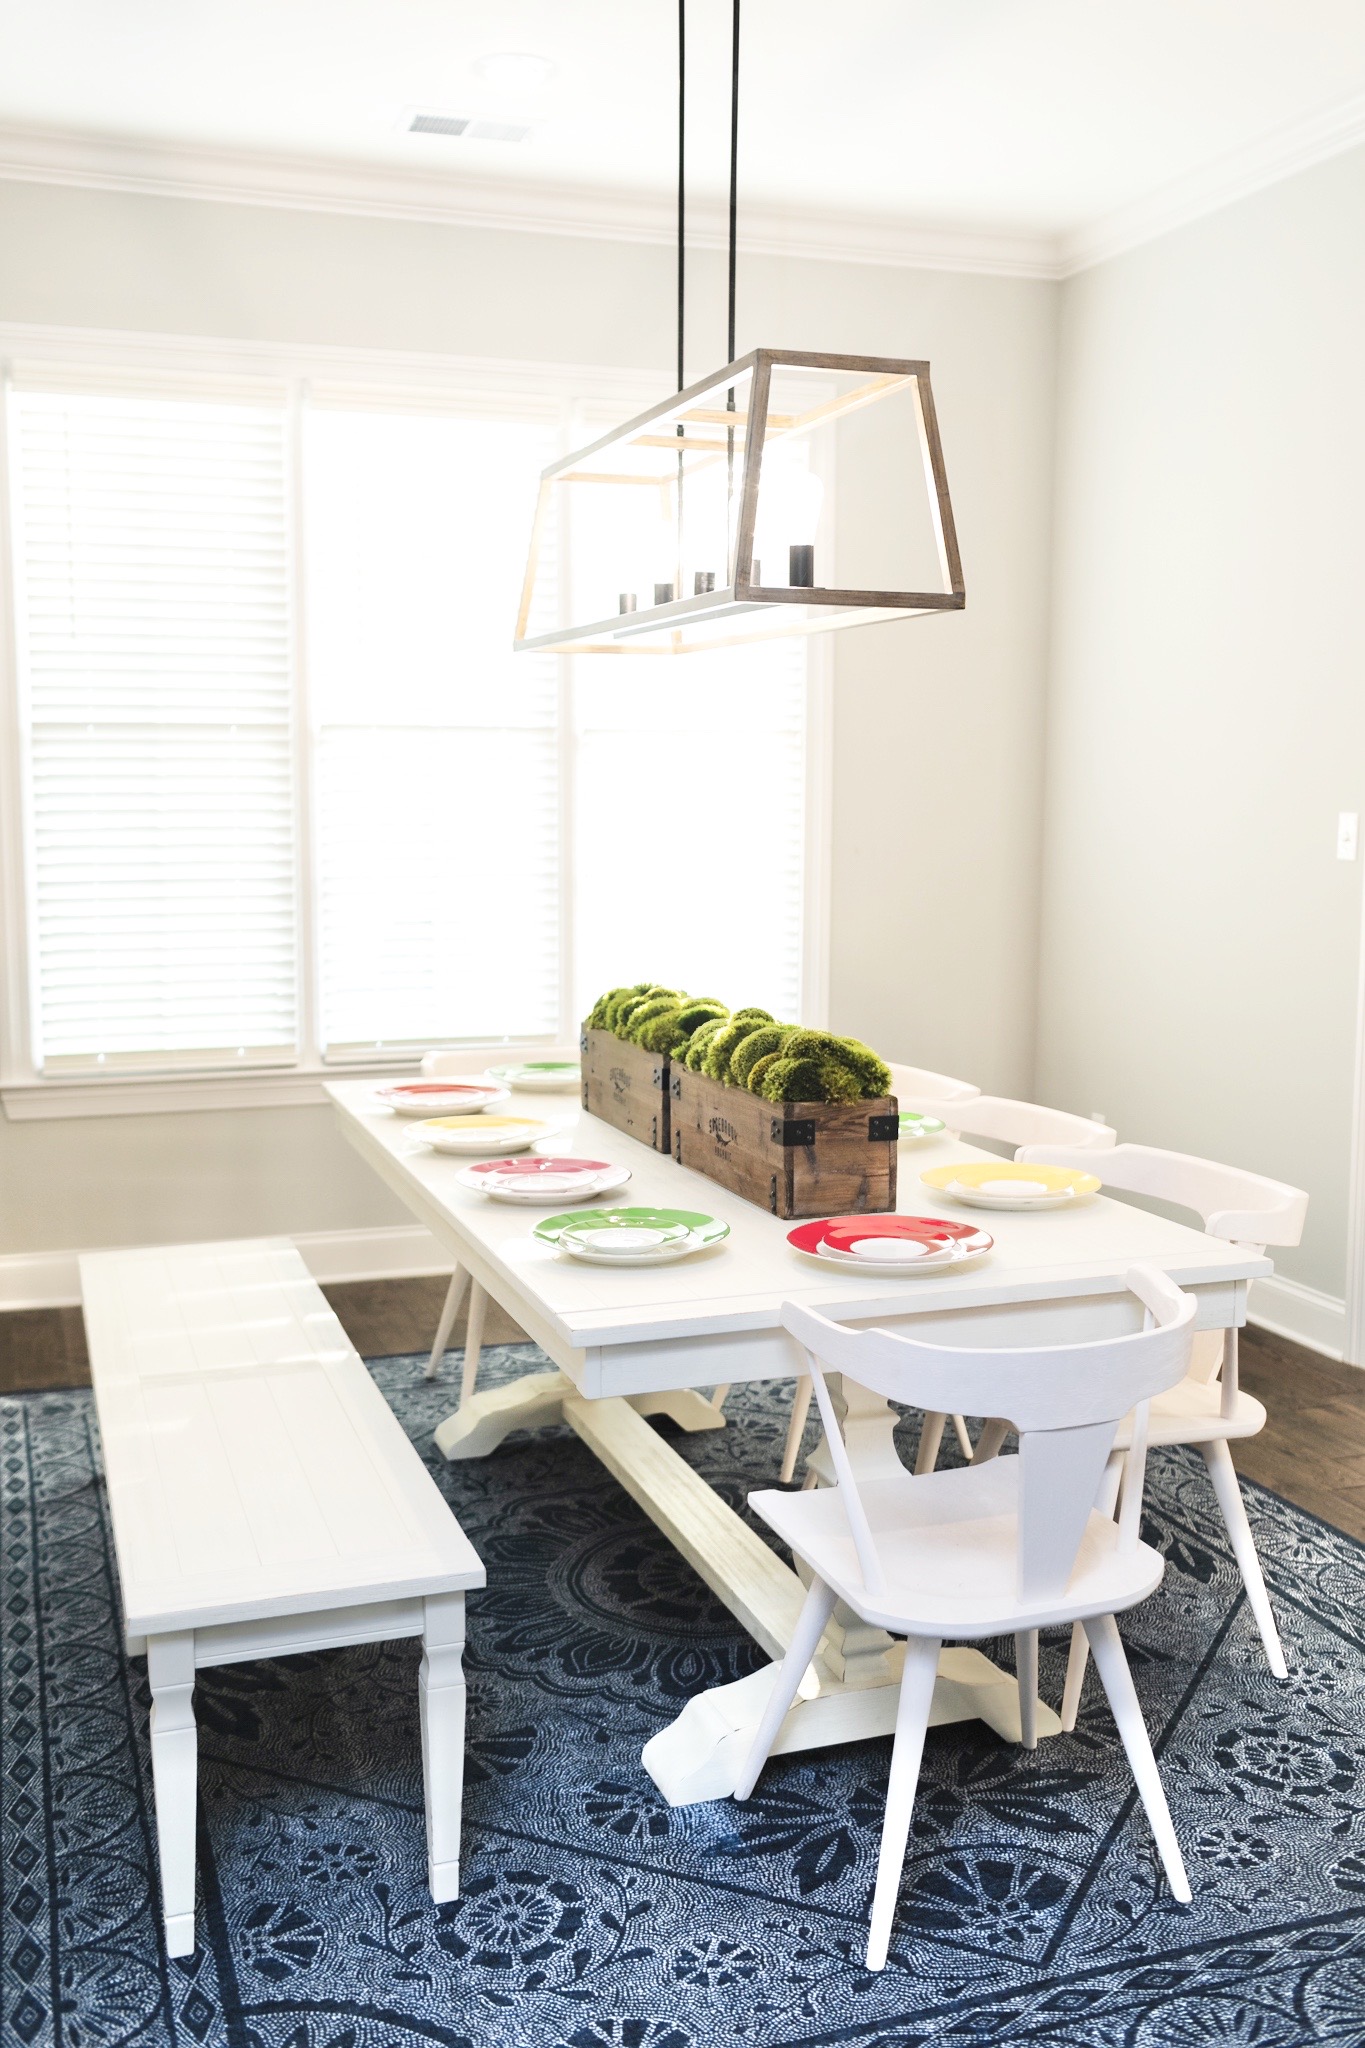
{"x": 839, "y": 1232}
{"x": 426, "y": 1088}
{"x": 843, "y": 1232}
{"x": 535, "y": 1166}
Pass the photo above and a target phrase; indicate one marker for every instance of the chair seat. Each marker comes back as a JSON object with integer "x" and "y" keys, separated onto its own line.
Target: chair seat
{"x": 1190, "y": 1413}
{"x": 948, "y": 1546}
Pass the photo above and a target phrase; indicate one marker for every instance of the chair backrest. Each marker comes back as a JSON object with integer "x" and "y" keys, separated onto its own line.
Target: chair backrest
{"x": 1015, "y": 1123}
{"x": 1065, "y": 1400}
{"x": 909, "y": 1082}
{"x": 1243, "y": 1207}
{"x": 463, "y": 1060}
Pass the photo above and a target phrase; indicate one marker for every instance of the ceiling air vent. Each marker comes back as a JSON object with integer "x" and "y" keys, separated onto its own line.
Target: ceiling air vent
{"x": 473, "y": 131}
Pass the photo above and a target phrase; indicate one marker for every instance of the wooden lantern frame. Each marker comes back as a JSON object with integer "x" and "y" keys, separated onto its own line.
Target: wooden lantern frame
{"x": 687, "y": 432}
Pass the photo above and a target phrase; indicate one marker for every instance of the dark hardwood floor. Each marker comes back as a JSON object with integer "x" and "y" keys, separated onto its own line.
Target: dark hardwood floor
{"x": 1312, "y": 1450}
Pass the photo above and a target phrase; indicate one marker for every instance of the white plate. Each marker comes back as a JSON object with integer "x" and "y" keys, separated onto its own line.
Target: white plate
{"x": 662, "y": 1255}
{"x": 512, "y": 1135}
{"x": 985, "y": 1197}
{"x": 567, "y": 1082}
{"x": 551, "y": 1190}
{"x": 623, "y": 1240}
{"x": 934, "y": 1262}
{"x": 432, "y": 1098}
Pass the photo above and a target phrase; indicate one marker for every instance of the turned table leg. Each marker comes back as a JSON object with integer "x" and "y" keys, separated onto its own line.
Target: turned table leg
{"x": 175, "y": 1758}
{"x": 441, "y": 1700}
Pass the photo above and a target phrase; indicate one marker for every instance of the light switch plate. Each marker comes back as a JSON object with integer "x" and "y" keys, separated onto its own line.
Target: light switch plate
{"x": 1348, "y": 834}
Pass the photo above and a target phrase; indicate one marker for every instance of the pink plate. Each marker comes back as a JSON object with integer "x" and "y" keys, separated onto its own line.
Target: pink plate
{"x": 507, "y": 1167}
{"x": 843, "y": 1232}
{"x": 913, "y": 1243}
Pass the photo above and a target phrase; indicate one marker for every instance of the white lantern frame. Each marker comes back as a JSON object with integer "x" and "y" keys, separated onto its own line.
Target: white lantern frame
{"x": 686, "y": 430}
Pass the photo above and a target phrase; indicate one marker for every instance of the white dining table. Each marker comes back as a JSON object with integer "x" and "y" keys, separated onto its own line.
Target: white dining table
{"x": 672, "y": 1339}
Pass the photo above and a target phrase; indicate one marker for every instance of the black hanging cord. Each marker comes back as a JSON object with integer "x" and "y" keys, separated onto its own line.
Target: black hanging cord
{"x": 682, "y": 175}
{"x": 734, "y": 174}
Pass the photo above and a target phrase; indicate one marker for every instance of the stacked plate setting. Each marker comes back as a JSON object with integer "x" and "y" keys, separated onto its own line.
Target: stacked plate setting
{"x": 442, "y": 1098}
{"x": 913, "y": 1125}
{"x": 1011, "y": 1184}
{"x": 487, "y": 1134}
{"x": 535, "y": 1076}
{"x": 544, "y": 1179}
{"x": 890, "y": 1244}
{"x": 631, "y": 1237}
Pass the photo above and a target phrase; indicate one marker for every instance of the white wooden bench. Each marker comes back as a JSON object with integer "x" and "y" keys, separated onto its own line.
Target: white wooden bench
{"x": 264, "y": 1501}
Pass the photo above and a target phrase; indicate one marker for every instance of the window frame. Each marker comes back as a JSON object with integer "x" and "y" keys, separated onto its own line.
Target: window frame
{"x": 390, "y": 377}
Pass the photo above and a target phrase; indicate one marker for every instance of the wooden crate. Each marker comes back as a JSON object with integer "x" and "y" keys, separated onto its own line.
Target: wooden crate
{"x": 791, "y": 1158}
{"x": 627, "y": 1086}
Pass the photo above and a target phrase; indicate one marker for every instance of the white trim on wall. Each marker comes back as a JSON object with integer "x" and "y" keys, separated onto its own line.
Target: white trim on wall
{"x": 1288, "y": 1309}
{"x": 170, "y": 170}
{"x": 177, "y": 170}
{"x": 36, "y": 1280}
{"x": 1281, "y": 153}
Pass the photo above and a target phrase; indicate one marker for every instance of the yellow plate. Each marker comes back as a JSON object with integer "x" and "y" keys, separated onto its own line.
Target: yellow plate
{"x": 1011, "y": 1184}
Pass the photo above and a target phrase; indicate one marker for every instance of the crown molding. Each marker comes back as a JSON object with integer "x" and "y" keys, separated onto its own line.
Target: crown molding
{"x": 388, "y": 192}
{"x": 1279, "y": 154}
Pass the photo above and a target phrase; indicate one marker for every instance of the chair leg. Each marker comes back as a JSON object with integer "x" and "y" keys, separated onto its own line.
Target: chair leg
{"x": 719, "y": 1397}
{"x": 450, "y": 1308}
{"x": 964, "y": 1442}
{"x": 1026, "y": 1669}
{"x": 1223, "y": 1474}
{"x": 473, "y": 1342}
{"x": 930, "y": 1438}
{"x": 1075, "y": 1677}
{"x": 787, "y": 1676}
{"x": 796, "y": 1428}
{"x": 994, "y": 1430}
{"x": 912, "y": 1719}
{"x": 1117, "y": 1680}
{"x": 1106, "y": 1500}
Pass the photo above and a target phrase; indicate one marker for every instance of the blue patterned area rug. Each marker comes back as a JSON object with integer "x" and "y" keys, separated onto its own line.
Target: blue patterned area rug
{"x": 592, "y": 1916}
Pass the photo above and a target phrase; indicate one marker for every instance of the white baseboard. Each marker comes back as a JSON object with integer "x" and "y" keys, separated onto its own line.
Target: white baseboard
{"x": 1288, "y": 1309}
{"x": 404, "y": 1250}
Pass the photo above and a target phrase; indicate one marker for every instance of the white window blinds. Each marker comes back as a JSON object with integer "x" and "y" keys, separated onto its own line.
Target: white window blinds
{"x": 153, "y": 628}
{"x": 436, "y": 749}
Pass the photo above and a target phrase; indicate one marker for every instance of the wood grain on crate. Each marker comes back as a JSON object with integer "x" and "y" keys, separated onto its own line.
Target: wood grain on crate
{"x": 791, "y": 1158}
{"x": 626, "y": 1086}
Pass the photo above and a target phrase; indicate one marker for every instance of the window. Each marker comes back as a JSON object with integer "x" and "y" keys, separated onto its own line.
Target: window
{"x": 154, "y": 640}
{"x": 289, "y": 798}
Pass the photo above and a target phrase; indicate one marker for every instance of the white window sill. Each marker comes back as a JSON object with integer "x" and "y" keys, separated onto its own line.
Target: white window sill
{"x": 153, "y": 1094}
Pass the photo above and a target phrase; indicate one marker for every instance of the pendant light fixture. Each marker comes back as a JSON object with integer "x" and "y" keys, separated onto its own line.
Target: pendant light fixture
{"x": 705, "y": 522}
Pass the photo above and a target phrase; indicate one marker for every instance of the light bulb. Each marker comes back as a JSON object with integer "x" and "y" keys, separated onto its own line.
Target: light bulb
{"x": 790, "y": 498}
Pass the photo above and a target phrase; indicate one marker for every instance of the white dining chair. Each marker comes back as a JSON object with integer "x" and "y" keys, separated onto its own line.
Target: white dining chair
{"x": 916, "y": 1081}
{"x": 1003, "y": 1548}
{"x": 910, "y": 1086}
{"x": 1004, "y": 1122}
{"x": 465, "y": 1061}
{"x": 1208, "y": 1408}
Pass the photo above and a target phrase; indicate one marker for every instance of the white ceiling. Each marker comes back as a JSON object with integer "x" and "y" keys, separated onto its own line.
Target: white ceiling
{"x": 1031, "y": 119}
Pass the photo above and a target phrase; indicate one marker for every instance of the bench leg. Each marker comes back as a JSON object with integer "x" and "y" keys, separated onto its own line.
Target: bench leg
{"x": 441, "y": 1698}
{"x": 175, "y": 1760}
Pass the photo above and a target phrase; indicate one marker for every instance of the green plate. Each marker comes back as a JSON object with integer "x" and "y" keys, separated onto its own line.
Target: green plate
{"x": 538, "y": 1074}
{"x": 913, "y": 1126}
{"x": 707, "y": 1229}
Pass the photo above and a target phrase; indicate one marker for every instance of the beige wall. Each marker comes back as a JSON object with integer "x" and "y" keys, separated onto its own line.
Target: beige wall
{"x": 1206, "y": 719}
{"x": 933, "y": 927}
